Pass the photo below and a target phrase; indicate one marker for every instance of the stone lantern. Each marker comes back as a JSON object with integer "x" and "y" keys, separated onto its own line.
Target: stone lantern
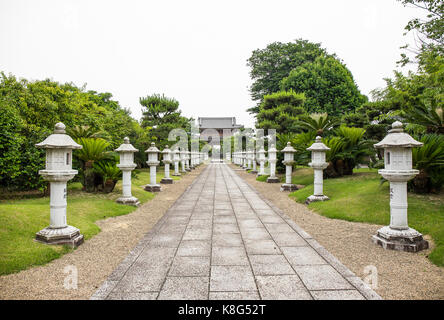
{"x": 261, "y": 159}
{"x": 58, "y": 171}
{"x": 187, "y": 161}
{"x": 244, "y": 160}
{"x": 193, "y": 163}
{"x": 288, "y": 152}
{"x": 176, "y": 160}
{"x": 398, "y": 170}
{"x": 249, "y": 159}
{"x": 183, "y": 157}
{"x": 166, "y": 159}
{"x": 153, "y": 162}
{"x": 126, "y": 165}
{"x": 272, "y": 161}
{"x": 254, "y": 160}
{"x": 318, "y": 163}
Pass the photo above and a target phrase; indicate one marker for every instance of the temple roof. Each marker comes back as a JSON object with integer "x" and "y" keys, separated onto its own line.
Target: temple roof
{"x": 218, "y": 123}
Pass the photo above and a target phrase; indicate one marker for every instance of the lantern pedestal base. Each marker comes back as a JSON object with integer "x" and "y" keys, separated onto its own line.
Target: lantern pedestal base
{"x": 273, "y": 180}
{"x": 408, "y": 240}
{"x": 288, "y": 187}
{"x": 69, "y": 235}
{"x": 253, "y": 171}
{"x": 130, "y": 201}
{"x": 166, "y": 181}
{"x": 153, "y": 188}
{"x": 176, "y": 175}
{"x": 314, "y": 198}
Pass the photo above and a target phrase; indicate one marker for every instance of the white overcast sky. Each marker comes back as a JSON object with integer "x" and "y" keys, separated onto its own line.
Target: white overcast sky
{"x": 194, "y": 51}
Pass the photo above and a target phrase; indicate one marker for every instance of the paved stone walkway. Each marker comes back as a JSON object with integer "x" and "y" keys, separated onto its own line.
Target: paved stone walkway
{"x": 220, "y": 240}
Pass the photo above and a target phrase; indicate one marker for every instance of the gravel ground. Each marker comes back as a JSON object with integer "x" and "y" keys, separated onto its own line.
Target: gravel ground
{"x": 401, "y": 275}
{"x": 97, "y": 257}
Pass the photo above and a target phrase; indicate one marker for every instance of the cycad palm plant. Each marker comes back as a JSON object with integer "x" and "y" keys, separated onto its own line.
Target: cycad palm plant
{"x": 429, "y": 160}
{"x": 317, "y": 122}
{"x": 431, "y": 117}
{"x": 109, "y": 173}
{"x": 92, "y": 150}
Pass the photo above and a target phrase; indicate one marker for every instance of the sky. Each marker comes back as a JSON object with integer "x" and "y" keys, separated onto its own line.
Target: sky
{"x": 194, "y": 51}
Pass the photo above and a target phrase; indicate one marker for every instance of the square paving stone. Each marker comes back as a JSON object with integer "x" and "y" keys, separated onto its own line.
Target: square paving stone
{"x": 321, "y": 277}
{"x": 225, "y": 219}
{"x": 201, "y": 222}
{"x": 255, "y": 234}
{"x": 288, "y": 239}
{"x": 276, "y": 228}
{"x": 231, "y": 256}
{"x": 300, "y": 256}
{"x": 197, "y": 234}
{"x": 140, "y": 282}
{"x": 284, "y": 287}
{"x": 172, "y": 228}
{"x": 235, "y": 295}
{"x": 177, "y": 219}
{"x": 261, "y": 247}
{"x": 194, "y": 248}
{"x": 272, "y": 219}
{"x": 184, "y": 288}
{"x": 165, "y": 240}
{"x": 250, "y": 223}
{"x": 225, "y": 228}
{"x": 227, "y": 240}
{"x": 337, "y": 295}
{"x": 190, "y": 266}
{"x": 132, "y": 296}
{"x": 267, "y": 265}
{"x": 156, "y": 255}
{"x": 223, "y": 212}
{"x": 232, "y": 278}
{"x": 265, "y": 212}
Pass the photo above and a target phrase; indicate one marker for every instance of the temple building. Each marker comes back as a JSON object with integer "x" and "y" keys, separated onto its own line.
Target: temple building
{"x": 217, "y": 123}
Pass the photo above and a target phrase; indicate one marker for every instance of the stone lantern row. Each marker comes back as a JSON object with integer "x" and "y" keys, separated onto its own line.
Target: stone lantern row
{"x": 397, "y": 170}
{"x": 59, "y": 170}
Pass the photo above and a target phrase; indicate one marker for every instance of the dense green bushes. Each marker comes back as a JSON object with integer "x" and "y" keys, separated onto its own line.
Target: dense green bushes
{"x": 28, "y": 112}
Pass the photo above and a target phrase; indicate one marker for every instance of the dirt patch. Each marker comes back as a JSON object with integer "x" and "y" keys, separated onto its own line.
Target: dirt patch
{"x": 401, "y": 275}
{"x": 97, "y": 257}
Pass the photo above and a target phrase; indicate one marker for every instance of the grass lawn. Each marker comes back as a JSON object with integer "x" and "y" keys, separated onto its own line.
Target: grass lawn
{"x": 21, "y": 219}
{"x": 361, "y": 198}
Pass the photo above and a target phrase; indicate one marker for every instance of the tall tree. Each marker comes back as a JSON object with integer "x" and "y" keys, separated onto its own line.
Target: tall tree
{"x": 273, "y": 63}
{"x": 161, "y": 114}
{"x": 328, "y": 86}
{"x": 428, "y": 32}
{"x": 281, "y": 111}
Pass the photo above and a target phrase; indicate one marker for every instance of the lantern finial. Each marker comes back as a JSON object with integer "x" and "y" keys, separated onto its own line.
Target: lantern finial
{"x": 126, "y": 140}
{"x": 59, "y": 128}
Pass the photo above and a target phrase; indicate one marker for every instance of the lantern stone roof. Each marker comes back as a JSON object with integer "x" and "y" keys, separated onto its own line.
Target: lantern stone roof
{"x": 59, "y": 140}
{"x": 318, "y": 145}
{"x": 272, "y": 148}
{"x": 396, "y": 137}
{"x": 166, "y": 150}
{"x": 288, "y": 148}
{"x": 126, "y": 146}
{"x": 152, "y": 149}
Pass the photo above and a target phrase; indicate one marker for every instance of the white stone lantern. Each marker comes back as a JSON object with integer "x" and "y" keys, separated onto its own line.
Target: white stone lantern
{"x": 254, "y": 160}
{"x": 261, "y": 159}
{"x": 228, "y": 156}
{"x": 58, "y": 171}
{"x": 244, "y": 160}
{"x": 398, "y": 170}
{"x": 193, "y": 160}
{"x": 288, "y": 152}
{"x": 126, "y": 165}
{"x": 183, "y": 157}
{"x": 176, "y": 160}
{"x": 187, "y": 160}
{"x": 153, "y": 162}
{"x": 249, "y": 156}
{"x": 167, "y": 160}
{"x": 272, "y": 161}
{"x": 318, "y": 163}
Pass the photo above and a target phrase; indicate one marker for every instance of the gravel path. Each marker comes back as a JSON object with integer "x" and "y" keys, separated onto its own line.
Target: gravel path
{"x": 401, "y": 275}
{"x": 97, "y": 257}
